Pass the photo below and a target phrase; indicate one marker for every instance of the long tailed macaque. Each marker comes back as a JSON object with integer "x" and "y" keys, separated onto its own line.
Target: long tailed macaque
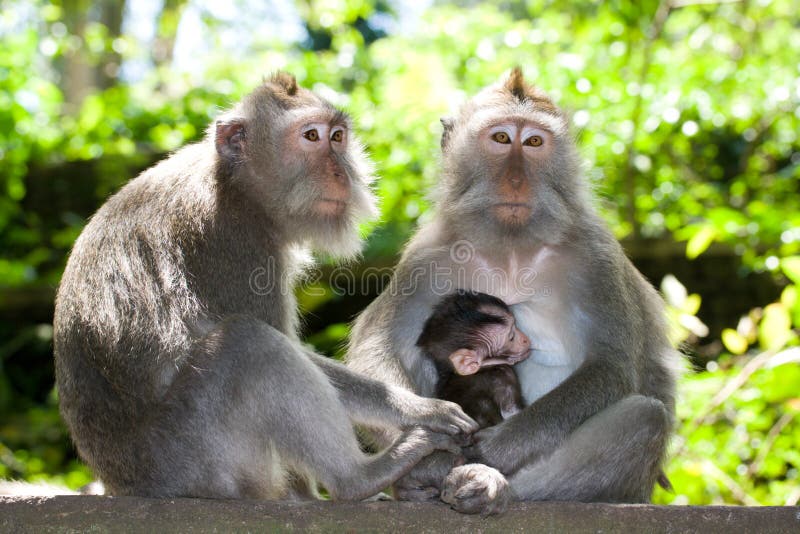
{"x": 473, "y": 340}
{"x": 178, "y": 365}
{"x": 514, "y": 218}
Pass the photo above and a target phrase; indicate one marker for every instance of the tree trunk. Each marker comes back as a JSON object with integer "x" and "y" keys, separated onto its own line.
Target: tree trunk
{"x": 166, "y": 31}
{"x": 111, "y": 14}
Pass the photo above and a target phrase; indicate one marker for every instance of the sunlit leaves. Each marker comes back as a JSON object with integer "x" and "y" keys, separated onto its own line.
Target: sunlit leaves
{"x": 743, "y": 451}
{"x": 682, "y": 311}
{"x": 775, "y": 328}
{"x": 734, "y": 341}
{"x": 791, "y": 267}
{"x": 700, "y": 241}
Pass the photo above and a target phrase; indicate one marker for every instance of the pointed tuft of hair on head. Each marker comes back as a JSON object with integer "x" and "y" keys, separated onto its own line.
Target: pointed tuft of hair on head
{"x": 285, "y": 81}
{"x": 515, "y": 84}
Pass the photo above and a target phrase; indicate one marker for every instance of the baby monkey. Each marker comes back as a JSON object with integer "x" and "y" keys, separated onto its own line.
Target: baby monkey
{"x": 473, "y": 340}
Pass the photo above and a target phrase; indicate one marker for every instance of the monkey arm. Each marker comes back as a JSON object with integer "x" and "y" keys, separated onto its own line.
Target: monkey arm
{"x": 543, "y": 426}
{"x": 376, "y": 403}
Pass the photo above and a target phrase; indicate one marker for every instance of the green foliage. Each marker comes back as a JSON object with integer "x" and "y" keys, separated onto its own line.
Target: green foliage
{"x": 739, "y": 432}
{"x": 35, "y": 446}
{"x": 740, "y": 447}
{"x": 687, "y": 119}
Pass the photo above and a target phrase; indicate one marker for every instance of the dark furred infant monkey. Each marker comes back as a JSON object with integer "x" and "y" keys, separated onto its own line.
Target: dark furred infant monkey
{"x": 473, "y": 339}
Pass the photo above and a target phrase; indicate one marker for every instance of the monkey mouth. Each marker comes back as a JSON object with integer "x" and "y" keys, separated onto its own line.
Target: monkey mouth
{"x": 330, "y": 207}
{"x": 512, "y": 213}
{"x": 516, "y": 358}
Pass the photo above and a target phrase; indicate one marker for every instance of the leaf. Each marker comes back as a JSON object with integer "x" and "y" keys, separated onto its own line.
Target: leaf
{"x": 775, "y": 328}
{"x": 734, "y": 341}
{"x": 789, "y": 296}
{"x": 674, "y": 292}
{"x": 692, "y": 304}
{"x": 694, "y": 325}
{"x": 700, "y": 241}
{"x": 791, "y": 268}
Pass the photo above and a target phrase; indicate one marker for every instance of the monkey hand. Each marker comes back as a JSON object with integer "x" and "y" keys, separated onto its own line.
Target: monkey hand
{"x": 440, "y": 416}
{"x": 424, "y": 482}
{"x": 428, "y": 441}
{"x": 477, "y": 489}
{"x": 497, "y": 446}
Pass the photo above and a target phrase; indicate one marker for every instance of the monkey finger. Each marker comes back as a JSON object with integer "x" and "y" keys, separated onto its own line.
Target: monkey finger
{"x": 462, "y": 440}
{"x": 462, "y": 424}
{"x": 445, "y": 417}
{"x": 450, "y": 445}
{"x": 467, "y": 425}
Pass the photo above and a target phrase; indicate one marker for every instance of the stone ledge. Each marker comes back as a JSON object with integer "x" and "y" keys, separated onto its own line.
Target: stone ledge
{"x": 132, "y": 514}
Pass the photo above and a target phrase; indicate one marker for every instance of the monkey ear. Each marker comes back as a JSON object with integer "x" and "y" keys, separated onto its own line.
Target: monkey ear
{"x": 447, "y": 124}
{"x": 465, "y": 361}
{"x": 229, "y": 138}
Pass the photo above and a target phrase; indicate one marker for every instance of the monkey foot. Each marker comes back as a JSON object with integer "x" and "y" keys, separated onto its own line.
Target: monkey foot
{"x": 476, "y": 489}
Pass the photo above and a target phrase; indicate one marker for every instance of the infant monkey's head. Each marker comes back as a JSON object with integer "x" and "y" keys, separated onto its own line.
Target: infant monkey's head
{"x": 468, "y": 330}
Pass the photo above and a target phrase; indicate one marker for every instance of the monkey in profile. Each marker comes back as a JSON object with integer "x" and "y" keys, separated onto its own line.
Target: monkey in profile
{"x": 600, "y": 388}
{"x": 473, "y": 340}
{"x": 178, "y": 364}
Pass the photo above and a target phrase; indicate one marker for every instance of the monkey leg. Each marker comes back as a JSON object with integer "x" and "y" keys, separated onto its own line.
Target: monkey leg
{"x": 253, "y": 407}
{"x": 615, "y": 456}
{"x": 424, "y": 482}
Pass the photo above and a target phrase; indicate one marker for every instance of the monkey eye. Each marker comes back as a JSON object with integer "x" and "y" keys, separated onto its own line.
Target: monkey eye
{"x": 501, "y": 137}
{"x": 534, "y": 140}
{"x": 337, "y": 136}
{"x": 511, "y": 337}
{"x": 311, "y": 135}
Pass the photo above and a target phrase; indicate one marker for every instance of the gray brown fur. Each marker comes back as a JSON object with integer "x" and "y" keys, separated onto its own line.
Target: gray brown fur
{"x": 176, "y": 375}
{"x": 601, "y": 391}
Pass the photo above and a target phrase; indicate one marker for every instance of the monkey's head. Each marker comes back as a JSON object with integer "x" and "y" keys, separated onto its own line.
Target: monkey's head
{"x": 468, "y": 330}
{"x": 296, "y": 156}
{"x": 510, "y": 165}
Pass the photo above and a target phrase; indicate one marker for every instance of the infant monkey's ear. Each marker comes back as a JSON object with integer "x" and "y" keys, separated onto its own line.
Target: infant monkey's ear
{"x": 465, "y": 362}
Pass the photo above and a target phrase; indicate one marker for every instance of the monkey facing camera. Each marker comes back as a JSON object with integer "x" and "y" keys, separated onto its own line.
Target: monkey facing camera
{"x": 473, "y": 340}
{"x": 514, "y": 217}
{"x": 178, "y": 365}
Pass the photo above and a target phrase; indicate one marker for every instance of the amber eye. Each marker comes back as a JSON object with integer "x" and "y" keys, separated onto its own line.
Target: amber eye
{"x": 534, "y": 140}
{"x": 501, "y": 137}
{"x": 311, "y": 135}
{"x": 337, "y": 136}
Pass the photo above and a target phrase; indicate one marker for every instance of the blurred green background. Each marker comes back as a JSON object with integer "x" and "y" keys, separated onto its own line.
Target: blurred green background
{"x": 687, "y": 113}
